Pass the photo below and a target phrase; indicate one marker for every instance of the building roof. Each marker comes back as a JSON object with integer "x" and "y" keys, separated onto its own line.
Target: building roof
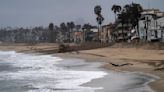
{"x": 107, "y": 25}
{"x": 156, "y": 12}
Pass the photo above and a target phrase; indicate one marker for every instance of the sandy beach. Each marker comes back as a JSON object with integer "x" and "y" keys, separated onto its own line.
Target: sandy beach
{"x": 123, "y": 59}
{"x": 145, "y": 61}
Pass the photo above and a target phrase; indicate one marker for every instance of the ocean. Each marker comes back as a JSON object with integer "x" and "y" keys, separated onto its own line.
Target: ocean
{"x": 45, "y": 73}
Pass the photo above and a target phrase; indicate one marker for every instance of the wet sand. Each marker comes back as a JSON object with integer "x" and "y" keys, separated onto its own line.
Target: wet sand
{"x": 139, "y": 60}
{"x": 123, "y": 82}
{"x": 145, "y": 65}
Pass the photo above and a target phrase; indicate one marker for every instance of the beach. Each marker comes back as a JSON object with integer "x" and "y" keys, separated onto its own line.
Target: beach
{"x": 134, "y": 59}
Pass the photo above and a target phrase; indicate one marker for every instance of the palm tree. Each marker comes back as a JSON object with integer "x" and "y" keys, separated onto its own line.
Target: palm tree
{"x": 63, "y": 27}
{"x": 131, "y": 14}
{"x": 127, "y": 8}
{"x": 116, "y": 9}
{"x": 123, "y": 18}
{"x": 135, "y": 10}
{"x": 97, "y": 10}
{"x": 69, "y": 30}
{"x": 57, "y": 30}
{"x": 78, "y": 27}
{"x": 99, "y": 19}
{"x": 64, "y": 30}
{"x": 51, "y": 28}
{"x": 70, "y": 26}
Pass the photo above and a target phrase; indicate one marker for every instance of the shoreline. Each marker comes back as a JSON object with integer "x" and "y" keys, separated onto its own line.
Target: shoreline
{"x": 104, "y": 82}
{"x": 142, "y": 62}
{"x": 152, "y": 84}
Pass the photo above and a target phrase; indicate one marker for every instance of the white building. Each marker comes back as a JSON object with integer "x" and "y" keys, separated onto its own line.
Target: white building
{"x": 151, "y": 25}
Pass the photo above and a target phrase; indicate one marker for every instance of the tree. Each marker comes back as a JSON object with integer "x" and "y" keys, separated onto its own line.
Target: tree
{"x": 57, "y": 29}
{"x": 63, "y": 28}
{"x": 124, "y": 19}
{"x": 52, "y": 35}
{"x": 70, "y": 26}
{"x": 116, "y": 9}
{"x": 97, "y": 10}
{"x": 99, "y": 19}
{"x": 127, "y": 8}
{"x": 87, "y": 26}
{"x": 136, "y": 10}
{"x": 133, "y": 14}
{"x": 78, "y": 27}
{"x": 86, "y": 30}
{"x": 69, "y": 30}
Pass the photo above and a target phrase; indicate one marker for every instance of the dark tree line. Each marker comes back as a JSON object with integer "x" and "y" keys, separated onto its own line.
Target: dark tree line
{"x": 63, "y": 32}
{"x": 26, "y": 35}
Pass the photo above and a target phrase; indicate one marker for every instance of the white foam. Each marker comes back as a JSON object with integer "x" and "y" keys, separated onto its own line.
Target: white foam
{"x": 42, "y": 73}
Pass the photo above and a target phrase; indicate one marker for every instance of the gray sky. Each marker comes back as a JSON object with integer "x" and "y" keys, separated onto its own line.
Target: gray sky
{"x": 29, "y": 13}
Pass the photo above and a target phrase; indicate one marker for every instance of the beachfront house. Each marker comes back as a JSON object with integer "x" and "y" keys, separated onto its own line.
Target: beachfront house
{"x": 90, "y": 35}
{"x": 161, "y": 23}
{"x": 105, "y": 34}
{"x": 151, "y": 25}
{"x": 78, "y": 37}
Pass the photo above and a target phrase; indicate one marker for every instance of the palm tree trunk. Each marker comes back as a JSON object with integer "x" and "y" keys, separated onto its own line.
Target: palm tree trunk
{"x": 83, "y": 35}
{"x": 55, "y": 36}
{"x": 98, "y": 33}
{"x": 115, "y": 16}
{"x": 69, "y": 34}
{"x": 162, "y": 36}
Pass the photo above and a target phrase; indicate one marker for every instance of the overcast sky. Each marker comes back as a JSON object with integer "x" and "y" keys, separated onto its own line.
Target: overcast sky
{"x": 29, "y": 13}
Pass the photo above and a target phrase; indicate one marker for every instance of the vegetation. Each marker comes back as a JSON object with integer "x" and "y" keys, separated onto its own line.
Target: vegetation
{"x": 100, "y": 18}
{"x": 70, "y": 26}
{"x": 87, "y": 32}
{"x": 132, "y": 13}
{"x": 116, "y": 9}
{"x": 128, "y": 14}
{"x": 52, "y": 35}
